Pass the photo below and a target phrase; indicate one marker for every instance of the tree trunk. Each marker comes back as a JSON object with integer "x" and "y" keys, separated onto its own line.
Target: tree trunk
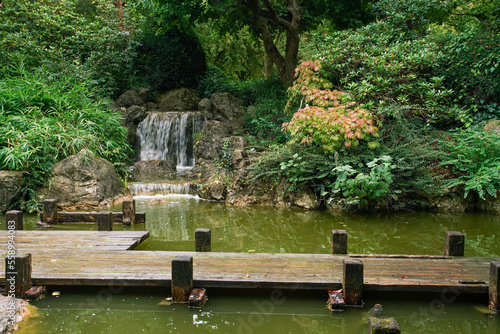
{"x": 262, "y": 17}
{"x": 268, "y": 67}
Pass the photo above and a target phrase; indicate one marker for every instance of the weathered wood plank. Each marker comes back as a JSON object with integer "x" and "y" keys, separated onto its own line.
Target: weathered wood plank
{"x": 91, "y": 217}
{"x": 34, "y": 241}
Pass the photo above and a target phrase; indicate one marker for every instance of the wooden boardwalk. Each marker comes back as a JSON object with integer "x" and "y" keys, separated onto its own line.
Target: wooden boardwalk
{"x": 78, "y": 241}
{"x": 101, "y": 259}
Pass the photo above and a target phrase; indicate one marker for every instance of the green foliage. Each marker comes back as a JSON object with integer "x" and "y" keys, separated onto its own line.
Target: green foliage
{"x": 359, "y": 188}
{"x": 470, "y": 66}
{"x": 264, "y": 118}
{"x": 379, "y": 67}
{"x": 170, "y": 60}
{"x": 94, "y": 34}
{"x": 226, "y": 156}
{"x": 47, "y": 117}
{"x": 413, "y": 17}
{"x": 240, "y": 55}
{"x": 474, "y": 156}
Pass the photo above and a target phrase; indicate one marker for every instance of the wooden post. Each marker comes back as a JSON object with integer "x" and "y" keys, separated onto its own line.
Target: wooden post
{"x": 454, "y": 243}
{"x": 104, "y": 221}
{"x": 339, "y": 242}
{"x": 128, "y": 211}
{"x": 352, "y": 282}
{"x": 494, "y": 286}
{"x": 14, "y": 220}
{"x": 203, "y": 240}
{"x": 182, "y": 278}
{"x": 17, "y": 274}
{"x": 49, "y": 214}
{"x": 383, "y": 326}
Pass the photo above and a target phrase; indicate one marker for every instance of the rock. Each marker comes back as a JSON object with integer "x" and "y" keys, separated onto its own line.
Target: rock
{"x": 151, "y": 106}
{"x": 306, "y": 199}
{"x": 12, "y": 312}
{"x": 153, "y": 170}
{"x": 205, "y": 105}
{"x": 209, "y": 141}
{"x": 212, "y": 189}
{"x": 10, "y": 188}
{"x": 239, "y": 160}
{"x": 82, "y": 180}
{"x": 130, "y": 98}
{"x": 452, "y": 202}
{"x": 493, "y": 125}
{"x": 383, "y": 326}
{"x": 490, "y": 204}
{"x": 181, "y": 99}
{"x": 135, "y": 115}
{"x": 227, "y": 108}
{"x": 143, "y": 94}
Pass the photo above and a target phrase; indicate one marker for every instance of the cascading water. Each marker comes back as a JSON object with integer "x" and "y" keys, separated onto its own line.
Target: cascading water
{"x": 169, "y": 136}
{"x": 163, "y": 189}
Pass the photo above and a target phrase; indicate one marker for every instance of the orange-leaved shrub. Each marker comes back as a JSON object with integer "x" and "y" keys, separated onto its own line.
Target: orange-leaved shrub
{"x": 325, "y": 117}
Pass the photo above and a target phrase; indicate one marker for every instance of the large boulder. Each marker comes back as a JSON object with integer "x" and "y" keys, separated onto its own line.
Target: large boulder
{"x": 228, "y": 109}
{"x": 83, "y": 180}
{"x": 182, "y": 99}
{"x": 131, "y": 98}
{"x": 10, "y": 188}
{"x": 209, "y": 141}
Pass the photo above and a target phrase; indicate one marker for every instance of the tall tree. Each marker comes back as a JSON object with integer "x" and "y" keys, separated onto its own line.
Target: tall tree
{"x": 266, "y": 18}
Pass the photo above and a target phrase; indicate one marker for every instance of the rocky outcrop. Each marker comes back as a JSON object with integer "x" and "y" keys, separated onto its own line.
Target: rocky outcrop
{"x": 83, "y": 180}
{"x": 490, "y": 204}
{"x": 12, "y": 312}
{"x": 209, "y": 141}
{"x": 131, "y": 98}
{"x": 10, "y": 188}
{"x": 227, "y": 109}
{"x": 181, "y": 99}
{"x": 153, "y": 170}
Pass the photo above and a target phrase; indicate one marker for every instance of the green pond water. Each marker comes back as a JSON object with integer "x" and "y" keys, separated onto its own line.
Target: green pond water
{"x": 172, "y": 224}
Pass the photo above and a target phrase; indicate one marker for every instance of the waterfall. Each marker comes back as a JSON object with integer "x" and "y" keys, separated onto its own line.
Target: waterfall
{"x": 169, "y": 136}
{"x": 155, "y": 189}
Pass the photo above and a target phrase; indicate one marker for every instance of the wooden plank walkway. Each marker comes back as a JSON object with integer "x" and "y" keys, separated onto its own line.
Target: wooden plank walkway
{"x": 78, "y": 241}
{"x": 256, "y": 270}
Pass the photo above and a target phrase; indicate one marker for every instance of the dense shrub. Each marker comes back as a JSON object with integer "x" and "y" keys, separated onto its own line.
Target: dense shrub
{"x": 380, "y": 67}
{"x": 474, "y": 156}
{"x": 96, "y": 35}
{"x": 471, "y": 68}
{"x": 46, "y": 117}
{"x": 170, "y": 60}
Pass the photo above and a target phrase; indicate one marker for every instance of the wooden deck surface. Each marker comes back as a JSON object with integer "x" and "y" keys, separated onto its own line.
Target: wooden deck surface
{"x": 100, "y": 259}
{"x": 84, "y": 241}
